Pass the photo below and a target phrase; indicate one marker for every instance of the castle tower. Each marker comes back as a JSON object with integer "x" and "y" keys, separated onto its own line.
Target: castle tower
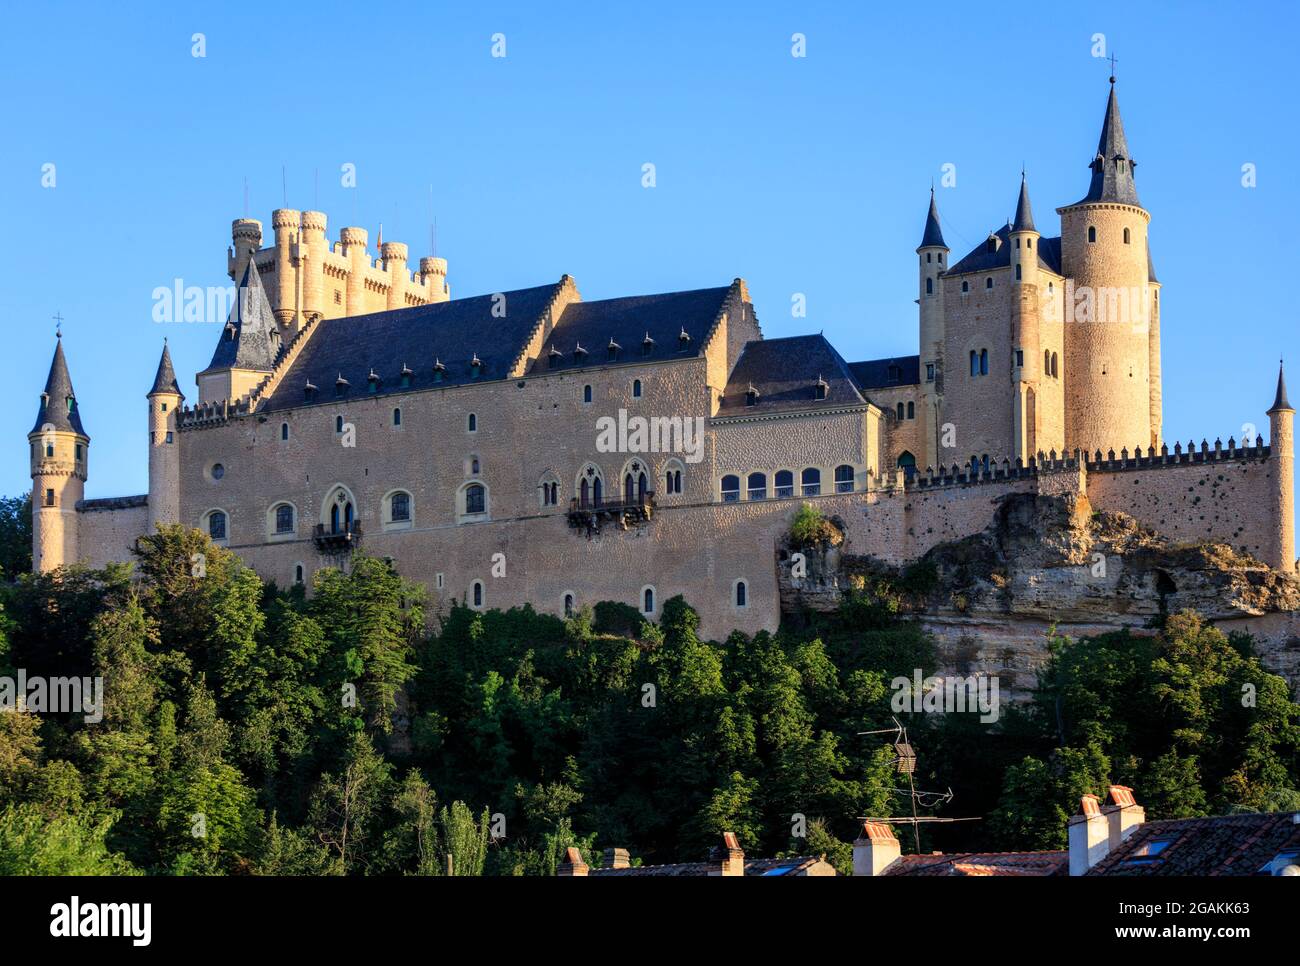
{"x": 1153, "y": 346}
{"x": 287, "y": 223}
{"x": 1107, "y": 365}
{"x": 60, "y": 452}
{"x": 395, "y": 255}
{"x": 932, "y": 262}
{"x": 433, "y": 273}
{"x": 1026, "y": 347}
{"x": 312, "y": 248}
{"x": 1281, "y": 421}
{"x": 246, "y": 239}
{"x": 164, "y": 452}
{"x": 248, "y": 348}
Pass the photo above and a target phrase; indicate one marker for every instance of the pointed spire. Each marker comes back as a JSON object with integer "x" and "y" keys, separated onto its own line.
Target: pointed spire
{"x": 1024, "y": 220}
{"x": 1280, "y": 403}
{"x": 933, "y": 237}
{"x": 58, "y": 402}
{"x": 165, "y": 380}
{"x": 1112, "y": 167}
{"x": 251, "y": 338}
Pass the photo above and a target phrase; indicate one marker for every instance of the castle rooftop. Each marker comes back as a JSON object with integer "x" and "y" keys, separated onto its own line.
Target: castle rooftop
{"x": 58, "y": 402}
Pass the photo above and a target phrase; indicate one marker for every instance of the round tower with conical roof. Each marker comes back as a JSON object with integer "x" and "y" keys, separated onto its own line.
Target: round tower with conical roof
{"x": 1107, "y": 365}
{"x": 60, "y": 454}
{"x": 1026, "y": 361}
{"x": 932, "y": 261}
{"x": 165, "y": 400}
{"x": 1281, "y": 421}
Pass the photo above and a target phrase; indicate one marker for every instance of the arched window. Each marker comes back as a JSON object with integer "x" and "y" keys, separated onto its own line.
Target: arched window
{"x": 284, "y": 518}
{"x": 756, "y": 486}
{"x": 397, "y": 417}
{"x": 476, "y": 594}
{"x": 284, "y": 430}
{"x": 974, "y": 363}
{"x": 1017, "y": 273}
{"x": 49, "y": 450}
{"x": 471, "y": 423}
{"x": 673, "y": 477}
{"x": 636, "y": 388}
{"x": 338, "y": 424}
{"x": 1047, "y": 362}
{"x": 988, "y": 282}
{"x": 473, "y": 466}
{"x": 568, "y": 605}
{"x": 648, "y": 600}
{"x": 907, "y": 463}
{"x": 929, "y": 286}
{"x": 635, "y": 482}
{"x": 550, "y": 490}
{"x": 783, "y": 484}
{"x": 341, "y": 511}
{"x": 911, "y": 410}
{"x": 965, "y": 286}
{"x": 810, "y": 481}
{"x": 1126, "y": 236}
{"x": 399, "y": 505}
{"x": 1054, "y": 370}
{"x": 730, "y": 488}
{"x": 475, "y": 498}
{"x": 217, "y": 525}
{"x": 590, "y": 486}
{"x": 844, "y": 479}
{"x": 742, "y": 594}
{"x": 901, "y": 411}
{"x": 984, "y": 362}
{"x": 297, "y": 574}
{"x": 586, "y": 394}
{"x": 1092, "y": 233}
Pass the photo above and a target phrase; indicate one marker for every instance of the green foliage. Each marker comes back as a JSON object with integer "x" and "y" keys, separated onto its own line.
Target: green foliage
{"x": 15, "y": 536}
{"x": 810, "y": 527}
{"x": 34, "y": 843}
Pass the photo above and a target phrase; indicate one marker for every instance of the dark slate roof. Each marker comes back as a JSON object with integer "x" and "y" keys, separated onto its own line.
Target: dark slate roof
{"x": 933, "y": 237}
{"x": 58, "y": 401}
{"x": 1151, "y": 268}
{"x": 1280, "y": 401}
{"x": 886, "y": 373}
{"x": 981, "y": 259}
{"x": 627, "y": 322}
{"x": 1112, "y": 166}
{"x": 112, "y": 503}
{"x": 451, "y": 333}
{"x": 982, "y": 864}
{"x": 165, "y": 380}
{"x": 251, "y": 338}
{"x": 1223, "y": 845}
{"x": 1024, "y": 220}
{"x": 785, "y": 373}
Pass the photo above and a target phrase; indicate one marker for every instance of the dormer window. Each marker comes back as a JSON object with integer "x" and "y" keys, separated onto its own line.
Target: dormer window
{"x": 579, "y": 354}
{"x": 341, "y": 385}
{"x": 372, "y": 381}
{"x": 554, "y": 358}
{"x": 647, "y": 345}
{"x": 475, "y": 367}
{"x": 683, "y": 340}
{"x": 751, "y": 396}
{"x": 895, "y": 373}
{"x": 439, "y": 370}
{"x": 820, "y": 388}
{"x": 407, "y": 373}
{"x": 309, "y": 390}
{"x": 612, "y": 350}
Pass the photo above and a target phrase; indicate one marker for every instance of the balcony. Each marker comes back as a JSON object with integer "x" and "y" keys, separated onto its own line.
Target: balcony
{"x": 593, "y": 517}
{"x": 334, "y": 543}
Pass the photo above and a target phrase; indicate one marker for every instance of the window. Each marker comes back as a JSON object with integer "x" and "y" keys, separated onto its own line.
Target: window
{"x": 1092, "y": 233}
{"x": 169, "y": 436}
{"x": 1047, "y": 362}
{"x": 730, "y": 488}
{"x": 929, "y": 286}
{"x": 338, "y": 424}
{"x": 473, "y": 466}
{"x": 742, "y": 594}
{"x": 1020, "y": 358}
{"x": 783, "y": 484}
{"x": 756, "y": 486}
{"x": 988, "y": 282}
{"x": 162, "y": 407}
{"x": 77, "y": 450}
{"x": 929, "y": 372}
{"x": 217, "y": 525}
{"x": 586, "y": 394}
{"x": 1017, "y": 273}
{"x": 400, "y": 507}
{"x": 471, "y": 423}
{"x": 965, "y": 286}
{"x": 810, "y": 481}
{"x": 751, "y": 396}
{"x": 1126, "y": 236}
{"x": 284, "y": 431}
{"x": 397, "y": 417}
{"x": 984, "y": 362}
{"x": 636, "y": 388}
{"x": 297, "y": 574}
{"x": 218, "y": 471}
{"x": 648, "y": 600}
{"x": 902, "y": 411}
{"x": 907, "y": 463}
{"x": 991, "y": 245}
{"x": 673, "y": 478}
{"x": 550, "y": 491}
{"x": 928, "y": 256}
{"x": 974, "y": 363}
{"x": 844, "y": 479}
{"x": 476, "y": 594}
{"x": 1148, "y": 852}
{"x": 440, "y": 581}
{"x": 1054, "y": 371}
{"x": 475, "y": 498}
{"x": 568, "y": 605}
{"x": 590, "y": 486}
{"x": 820, "y": 390}
{"x": 49, "y": 450}
{"x": 911, "y": 410}
{"x": 284, "y": 518}
{"x": 49, "y": 497}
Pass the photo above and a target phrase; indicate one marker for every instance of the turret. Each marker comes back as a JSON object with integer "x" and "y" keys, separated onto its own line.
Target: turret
{"x": 433, "y": 273}
{"x": 287, "y": 223}
{"x": 165, "y": 400}
{"x": 60, "y": 453}
{"x": 246, "y": 238}
{"x": 248, "y": 346}
{"x": 1281, "y": 421}
{"x": 932, "y": 262}
{"x": 1026, "y": 345}
{"x": 312, "y": 249}
{"x": 1107, "y": 366}
{"x": 1153, "y": 351}
{"x": 352, "y": 246}
{"x": 394, "y": 255}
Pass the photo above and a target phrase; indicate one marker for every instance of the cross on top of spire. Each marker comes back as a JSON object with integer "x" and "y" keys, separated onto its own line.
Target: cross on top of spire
{"x": 1113, "y": 61}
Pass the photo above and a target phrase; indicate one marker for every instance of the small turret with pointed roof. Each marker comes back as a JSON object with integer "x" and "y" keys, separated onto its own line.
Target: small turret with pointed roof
{"x": 1280, "y": 402}
{"x": 251, "y": 338}
{"x": 1024, "y": 220}
{"x": 165, "y": 381}
{"x": 933, "y": 236}
{"x": 58, "y": 402}
{"x": 1112, "y": 167}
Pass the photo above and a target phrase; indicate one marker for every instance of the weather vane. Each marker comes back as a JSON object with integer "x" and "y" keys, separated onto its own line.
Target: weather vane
{"x": 58, "y": 325}
{"x": 1113, "y": 61}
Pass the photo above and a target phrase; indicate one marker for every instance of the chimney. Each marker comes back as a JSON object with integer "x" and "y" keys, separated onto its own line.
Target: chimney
{"x": 616, "y": 859}
{"x": 1089, "y": 836}
{"x": 1123, "y": 813}
{"x": 875, "y": 849}
{"x": 727, "y": 855}
{"x": 572, "y": 864}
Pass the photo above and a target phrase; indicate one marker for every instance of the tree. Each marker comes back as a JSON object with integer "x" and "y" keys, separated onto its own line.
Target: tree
{"x": 15, "y": 536}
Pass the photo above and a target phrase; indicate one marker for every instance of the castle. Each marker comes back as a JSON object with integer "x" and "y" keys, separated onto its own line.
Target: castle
{"x": 352, "y": 404}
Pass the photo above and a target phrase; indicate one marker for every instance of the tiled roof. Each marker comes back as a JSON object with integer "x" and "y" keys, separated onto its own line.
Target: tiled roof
{"x": 165, "y": 379}
{"x": 250, "y": 338}
{"x": 1024, "y": 220}
{"x": 452, "y": 334}
{"x": 933, "y": 236}
{"x": 982, "y": 864}
{"x": 886, "y": 373}
{"x": 980, "y": 259}
{"x": 627, "y": 322}
{"x": 1112, "y": 166}
{"x": 753, "y": 867}
{"x": 59, "y": 403}
{"x": 785, "y": 374}
{"x": 1223, "y": 845}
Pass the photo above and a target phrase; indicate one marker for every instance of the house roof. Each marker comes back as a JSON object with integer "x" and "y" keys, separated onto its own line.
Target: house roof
{"x": 1223, "y": 845}
{"x": 886, "y": 373}
{"x": 982, "y": 864}
{"x": 58, "y": 402}
{"x": 250, "y": 338}
{"x": 753, "y": 867}
{"x": 785, "y": 373}
{"x": 980, "y": 259}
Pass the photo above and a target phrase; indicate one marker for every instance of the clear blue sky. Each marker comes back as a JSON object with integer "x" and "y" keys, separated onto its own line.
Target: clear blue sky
{"x": 801, "y": 175}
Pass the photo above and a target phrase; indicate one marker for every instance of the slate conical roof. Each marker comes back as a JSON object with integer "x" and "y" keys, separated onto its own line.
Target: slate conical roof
{"x": 1112, "y": 167}
{"x": 933, "y": 237}
{"x": 165, "y": 380}
{"x": 1280, "y": 402}
{"x": 1024, "y": 220}
{"x": 250, "y": 339}
{"x": 58, "y": 401}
